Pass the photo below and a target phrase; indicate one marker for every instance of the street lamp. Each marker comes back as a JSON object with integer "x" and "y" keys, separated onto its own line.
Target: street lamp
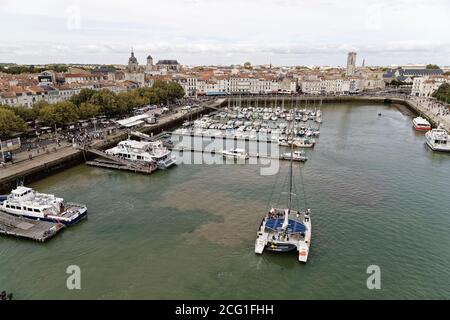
{"x": 1, "y": 147}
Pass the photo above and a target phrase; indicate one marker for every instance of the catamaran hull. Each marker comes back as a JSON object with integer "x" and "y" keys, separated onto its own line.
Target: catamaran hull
{"x": 280, "y": 247}
{"x": 80, "y": 217}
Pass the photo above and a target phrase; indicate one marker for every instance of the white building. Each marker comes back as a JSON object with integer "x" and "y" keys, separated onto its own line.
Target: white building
{"x": 426, "y": 86}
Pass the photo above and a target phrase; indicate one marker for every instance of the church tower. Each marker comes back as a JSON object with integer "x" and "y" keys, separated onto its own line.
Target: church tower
{"x": 150, "y": 66}
{"x": 351, "y": 63}
{"x": 133, "y": 65}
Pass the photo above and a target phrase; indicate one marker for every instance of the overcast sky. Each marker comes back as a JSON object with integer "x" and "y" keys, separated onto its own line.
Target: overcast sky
{"x": 201, "y": 32}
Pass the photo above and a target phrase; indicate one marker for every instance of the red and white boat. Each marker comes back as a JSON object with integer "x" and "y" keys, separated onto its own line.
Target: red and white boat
{"x": 421, "y": 124}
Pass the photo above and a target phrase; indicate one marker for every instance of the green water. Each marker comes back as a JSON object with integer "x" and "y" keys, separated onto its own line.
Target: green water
{"x": 377, "y": 195}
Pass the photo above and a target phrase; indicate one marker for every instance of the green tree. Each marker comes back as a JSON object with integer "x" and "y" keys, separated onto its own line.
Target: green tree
{"x": 432, "y": 66}
{"x": 247, "y": 65}
{"x": 175, "y": 91}
{"x": 58, "y": 114}
{"x": 166, "y": 92}
{"x": 443, "y": 93}
{"x": 88, "y": 110}
{"x": 106, "y": 100}
{"x": 84, "y": 96}
{"x": 10, "y": 123}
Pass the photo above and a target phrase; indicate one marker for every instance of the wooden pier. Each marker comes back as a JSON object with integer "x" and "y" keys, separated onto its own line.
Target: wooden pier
{"x": 28, "y": 228}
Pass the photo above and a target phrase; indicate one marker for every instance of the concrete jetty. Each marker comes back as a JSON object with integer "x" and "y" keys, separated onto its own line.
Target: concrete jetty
{"x": 28, "y": 228}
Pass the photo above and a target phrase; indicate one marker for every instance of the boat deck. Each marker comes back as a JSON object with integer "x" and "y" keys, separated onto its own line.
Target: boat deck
{"x": 71, "y": 209}
{"x": 274, "y": 222}
{"x": 28, "y": 228}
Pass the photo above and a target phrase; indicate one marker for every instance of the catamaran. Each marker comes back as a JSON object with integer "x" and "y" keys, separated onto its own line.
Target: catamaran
{"x": 27, "y": 203}
{"x": 286, "y": 229}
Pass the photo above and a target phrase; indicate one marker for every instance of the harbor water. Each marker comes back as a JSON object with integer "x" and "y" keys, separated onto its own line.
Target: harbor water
{"x": 378, "y": 196}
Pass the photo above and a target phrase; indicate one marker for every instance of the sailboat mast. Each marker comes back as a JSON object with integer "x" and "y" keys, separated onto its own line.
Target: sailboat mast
{"x": 291, "y": 161}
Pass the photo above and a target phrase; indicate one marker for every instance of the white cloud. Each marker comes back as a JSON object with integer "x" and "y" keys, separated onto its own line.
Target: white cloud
{"x": 219, "y": 31}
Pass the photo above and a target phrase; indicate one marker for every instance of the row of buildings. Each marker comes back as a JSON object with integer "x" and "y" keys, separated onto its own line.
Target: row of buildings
{"x": 27, "y": 89}
{"x": 427, "y": 85}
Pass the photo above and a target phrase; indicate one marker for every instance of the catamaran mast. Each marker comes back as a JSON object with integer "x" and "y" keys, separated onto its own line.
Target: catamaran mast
{"x": 291, "y": 161}
{"x": 288, "y": 210}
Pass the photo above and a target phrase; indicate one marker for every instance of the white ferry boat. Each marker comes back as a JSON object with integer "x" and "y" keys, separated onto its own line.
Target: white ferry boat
{"x": 26, "y": 202}
{"x": 237, "y": 154}
{"x": 421, "y": 124}
{"x": 143, "y": 151}
{"x": 438, "y": 140}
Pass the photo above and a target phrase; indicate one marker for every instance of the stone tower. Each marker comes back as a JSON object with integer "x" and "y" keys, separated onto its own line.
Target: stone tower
{"x": 150, "y": 66}
{"x": 133, "y": 65}
{"x": 351, "y": 63}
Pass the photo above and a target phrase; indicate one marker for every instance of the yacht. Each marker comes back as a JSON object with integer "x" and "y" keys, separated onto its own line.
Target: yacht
{"x": 438, "y": 140}
{"x": 295, "y": 156}
{"x": 283, "y": 143}
{"x": 27, "y": 203}
{"x": 237, "y": 154}
{"x": 421, "y": 124}
{"x": 304, "y": 143}
{"x": 143, "y": 151}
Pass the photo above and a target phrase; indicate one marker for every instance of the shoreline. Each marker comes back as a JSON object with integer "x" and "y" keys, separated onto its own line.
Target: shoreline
{"x": 44, "y": 165}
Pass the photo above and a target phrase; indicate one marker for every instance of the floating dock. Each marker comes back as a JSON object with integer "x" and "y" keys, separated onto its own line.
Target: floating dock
{"x": 211, "y": 136}
{"x": 112, "y": 162}
{"x": 218, "y": 152}
{"x": 119, "y": 166}
{"x": 28, "y": 228}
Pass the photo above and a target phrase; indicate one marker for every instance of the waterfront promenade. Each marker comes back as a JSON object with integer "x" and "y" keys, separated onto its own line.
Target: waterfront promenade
{"x": 57, "y": 157}
{"x": 435, "y": 111}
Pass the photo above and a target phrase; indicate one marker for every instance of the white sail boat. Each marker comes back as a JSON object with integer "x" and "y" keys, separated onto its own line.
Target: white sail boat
{"x": 286, "y": 229}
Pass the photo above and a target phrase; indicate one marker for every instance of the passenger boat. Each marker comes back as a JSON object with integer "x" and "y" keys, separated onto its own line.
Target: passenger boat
{"x": 27, "y": 203}
{"x": 421, "y": 124}
{"x": 237, "y": 154}
{"x": 297, "y": 155}
{"x": 285, "y": 229}
{"x": 143, "y": 151}
{"x": 438, "y": 140}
